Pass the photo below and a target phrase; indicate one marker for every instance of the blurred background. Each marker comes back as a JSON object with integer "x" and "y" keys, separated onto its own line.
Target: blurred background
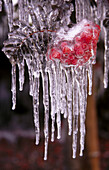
{"x": 17, "y": 137}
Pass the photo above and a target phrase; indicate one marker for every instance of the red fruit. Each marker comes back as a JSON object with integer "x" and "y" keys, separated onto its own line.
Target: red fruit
{"x": 97, "y": 26}
{"x": 87, "y": 25}
{"x": 66, "y": 50}
{"x": 71, "y": 57}
{"x": 63, "y": 44}
{"x": 79, "y": 52}
{"x": 74, "y": 61}
{"x": 94, "y": 43}
{"x": 86, "y": 37}
{"x": 90, "y": 31}
{"x": 55, "y": 53}
{"x": 94, "y": 50}
{"x": 95, "y": 33}
{"x": 84, "y": 46}
{"x": 76, "y": 47}
{"x": 89, "y": 47}
{"x": 78, "y": 39}
{"x": 87, "y": 56}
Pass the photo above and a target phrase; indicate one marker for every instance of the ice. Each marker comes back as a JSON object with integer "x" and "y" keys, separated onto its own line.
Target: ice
{"x": 82, "y": 109}
{"x": 106, "y": 58}
{"x": 69, "y": 99}
{"x": 23, "y": 11}
{"x": 103, "y": 18}
{"x": 28, "y": 62}
{"x": 99, "y": 9}
{"x": 72, "y": 32}
{"x": 90, "y": 78}
{"x": 77, "y": 6}
{"x": 79, "y": 107}
{"x": 77, "y": 45}
{"x": 46, "y": 109}
{"x": 21, "y": 75}
{"x": 9, "y": 5}
{"x": 52, "y": 81}
{"x": 36, "y": 107}
{"x": 13, "y": 88}
{"x": 106, "y": 52}
{"x": 62, "y": 55}
{"x": 83, "y": 10}
{"x": 64, "y": 94}
{"x": 0, "y": 5}
{"x": 26, "y": 15}
{"x": 75, "y": 112}
{"x": 58, "y": 91}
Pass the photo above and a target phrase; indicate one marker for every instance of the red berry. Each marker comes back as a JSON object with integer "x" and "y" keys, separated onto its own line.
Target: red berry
{"x": 66, "y": 50}
{"x": 87, "y": 25}
{"x": 87, "y": 55}
{"x": 85, "y": 46}
{"x": 95, "y": 33}
{"x": 79, "y": 52}
{"x": 55, "y": 53}
{"x": 71, "y": 57}
{"x": 97, "y": 26}
{"x": 86, "y": 37}
{"x": 78, "y": 39}
{"x": 82, "y": 45}
{"x": 64, "y": 43}
{"x": 76, "y": 47}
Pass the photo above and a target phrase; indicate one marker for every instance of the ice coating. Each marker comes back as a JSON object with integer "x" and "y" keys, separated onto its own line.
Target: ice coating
{"x": 71, "y": 53}
{"x": 74, "y": 47}
{"x": 77, "y": 45}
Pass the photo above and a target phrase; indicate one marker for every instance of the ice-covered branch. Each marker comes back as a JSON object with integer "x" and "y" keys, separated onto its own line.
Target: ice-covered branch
{"x": 59, "y": 53}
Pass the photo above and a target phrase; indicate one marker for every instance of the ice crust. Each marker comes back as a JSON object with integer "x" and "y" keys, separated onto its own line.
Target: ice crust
{"x": 77, "y": 45}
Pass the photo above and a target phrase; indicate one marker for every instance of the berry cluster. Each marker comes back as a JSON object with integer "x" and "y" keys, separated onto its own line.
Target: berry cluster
{"x": 79, "y": 49}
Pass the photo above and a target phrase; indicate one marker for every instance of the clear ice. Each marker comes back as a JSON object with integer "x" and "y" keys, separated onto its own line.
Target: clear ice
{"x": 66, "y": 86}
{"x": 0, "y": 5}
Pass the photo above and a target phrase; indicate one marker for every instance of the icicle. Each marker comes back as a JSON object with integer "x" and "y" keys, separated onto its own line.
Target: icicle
{"x": 21, "y": 75}
{"x": 106, "y": 58}
{"x": 46, "y": 110}
{"x": 40, "y": 17}
{"x": 30, "y": 71}
{"x": 33, "y": 17}
{"x": 99, "y": 9}
{"x": 77, "y": 6}
{"x": 69, "y": 99}
{"x": 36, "y": 107}
{"x": 10, "y": 14}
{"x": 0, "y": 5}
{"x": 13, "y": 88}
{"x": 58, "y": 91}
{"x": 82, "y": 101}
{"x": 21, "y": 9}
{"x": 81, "y": 9}
{"x": 85, "y": 87}
{"x": 75, "y": 112}
{"x": 26, "y": 15}
{"x": 64, "y": 94}
{"x": 52, "y": 81}
{"x": 90, "y": 78}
